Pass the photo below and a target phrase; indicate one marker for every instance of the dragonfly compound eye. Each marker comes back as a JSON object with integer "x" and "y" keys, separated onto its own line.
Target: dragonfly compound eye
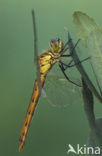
{"x": 56, "y": 45}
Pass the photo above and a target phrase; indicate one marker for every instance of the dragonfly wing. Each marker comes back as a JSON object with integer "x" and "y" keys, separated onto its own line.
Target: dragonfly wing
{"x": 60, "y": 92}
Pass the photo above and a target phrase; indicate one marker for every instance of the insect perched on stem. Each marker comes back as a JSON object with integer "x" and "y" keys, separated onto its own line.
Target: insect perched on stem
{"x": 44, "y": 64}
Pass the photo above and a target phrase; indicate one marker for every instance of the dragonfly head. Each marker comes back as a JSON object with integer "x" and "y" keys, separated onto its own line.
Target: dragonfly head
{"x": 56, "y": 46}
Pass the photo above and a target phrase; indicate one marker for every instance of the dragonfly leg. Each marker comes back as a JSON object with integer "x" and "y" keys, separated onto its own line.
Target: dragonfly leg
{"x": 65, "y": 66}
{"x": 69, "y": 64}
{"x": 68, "y": 55}
{"x": 66, "y": 44}
{"x": 63, "y": 71}
{"x": 66, "y": 47}
{"x": 75, "y": 44}
{"x": 80, "y": 62}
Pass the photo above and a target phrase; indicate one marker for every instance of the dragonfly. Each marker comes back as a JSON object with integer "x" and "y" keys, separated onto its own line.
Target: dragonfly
{"x": 44, "y": 62}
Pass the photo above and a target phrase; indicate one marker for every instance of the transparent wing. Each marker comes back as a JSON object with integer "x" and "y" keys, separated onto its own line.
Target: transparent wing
{"x": 61, "y": 93}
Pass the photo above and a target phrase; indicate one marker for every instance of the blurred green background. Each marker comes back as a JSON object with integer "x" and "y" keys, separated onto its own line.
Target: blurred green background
{"x": 52, "y": 129}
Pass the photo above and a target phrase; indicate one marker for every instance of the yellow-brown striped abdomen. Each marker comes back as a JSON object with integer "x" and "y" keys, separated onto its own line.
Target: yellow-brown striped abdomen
{"x": 45, "y": 63}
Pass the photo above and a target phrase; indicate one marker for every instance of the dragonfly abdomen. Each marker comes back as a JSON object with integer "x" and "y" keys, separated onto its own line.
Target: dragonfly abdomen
{"x": 46, "y": 61}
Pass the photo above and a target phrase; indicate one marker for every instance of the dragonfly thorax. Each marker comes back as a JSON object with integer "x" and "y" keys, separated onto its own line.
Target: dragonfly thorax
{"x": 56, "y": 46}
